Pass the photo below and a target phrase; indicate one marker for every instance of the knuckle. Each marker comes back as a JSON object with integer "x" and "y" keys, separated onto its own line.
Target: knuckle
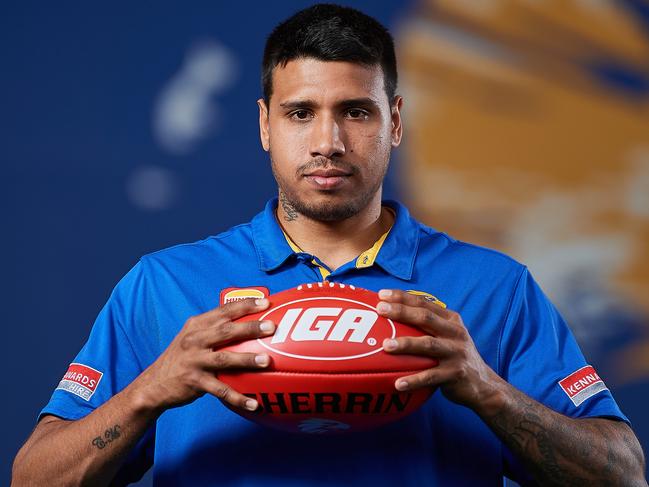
{"x": 186, "y": 342}
{"x": 226, "y": 330}
{"x": 230, "y": 309}
{"x": 462, "y": 333}
{"x": 427, "y": 316}
{"x": 462, "y": 373}
{"x": 239, "y": 306}
{"x": 252, "y": 329}
{"x": 192, "y": 379}
{"x": 429, "y": 342}
{"x": 462, "y": 355}
{"x": 191, "y": 322}
{"x": 223, "y": 392}
{"x": 219, "y": 360}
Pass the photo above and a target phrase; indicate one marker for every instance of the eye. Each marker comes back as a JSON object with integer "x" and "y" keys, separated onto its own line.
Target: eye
{"x": 357, "y": 114}
{"x": 300, "y": 114}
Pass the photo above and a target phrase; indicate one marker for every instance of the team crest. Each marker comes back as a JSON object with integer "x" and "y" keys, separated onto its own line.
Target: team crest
{"x": 427, "y": 297}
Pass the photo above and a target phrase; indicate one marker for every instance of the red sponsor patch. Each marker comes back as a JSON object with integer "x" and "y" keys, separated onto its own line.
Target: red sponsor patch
{"x": 80, "y": 380}
{"x": 582, "y": 384}
{"x": 232, "y": 294}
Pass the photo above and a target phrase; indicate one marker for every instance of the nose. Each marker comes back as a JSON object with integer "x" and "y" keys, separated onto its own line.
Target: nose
{"x": 326, "y": 138}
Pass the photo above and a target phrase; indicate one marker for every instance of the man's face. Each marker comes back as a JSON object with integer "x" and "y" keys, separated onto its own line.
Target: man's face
{"x": 329, "y": 131}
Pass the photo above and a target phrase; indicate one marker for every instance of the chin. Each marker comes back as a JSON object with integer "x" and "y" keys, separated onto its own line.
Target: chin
{"x": 327, "y": 207}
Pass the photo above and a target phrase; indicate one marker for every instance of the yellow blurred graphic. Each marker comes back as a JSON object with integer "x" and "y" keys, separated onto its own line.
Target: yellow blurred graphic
{"x": 527, "y": 130}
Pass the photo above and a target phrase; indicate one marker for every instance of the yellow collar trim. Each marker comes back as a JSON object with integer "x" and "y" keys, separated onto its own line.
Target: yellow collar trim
{"x": 366, "y": 259}
{"x": 291, "y": 244}
{"x": 323, "y": 271}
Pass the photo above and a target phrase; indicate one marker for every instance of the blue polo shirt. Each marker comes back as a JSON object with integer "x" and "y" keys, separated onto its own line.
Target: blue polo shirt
{"x": 515, "y": 328}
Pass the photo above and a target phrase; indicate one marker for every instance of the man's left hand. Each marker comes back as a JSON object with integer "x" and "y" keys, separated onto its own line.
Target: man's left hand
{"x": 462, "y": 374}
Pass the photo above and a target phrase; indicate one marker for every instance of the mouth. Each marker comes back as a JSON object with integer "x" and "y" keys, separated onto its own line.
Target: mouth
{"x": 328, "y": 173}
{"x": 327, "y": 178}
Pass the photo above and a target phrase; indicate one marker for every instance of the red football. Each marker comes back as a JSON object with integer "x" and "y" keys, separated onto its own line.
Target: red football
{"x": 328, "y": 370}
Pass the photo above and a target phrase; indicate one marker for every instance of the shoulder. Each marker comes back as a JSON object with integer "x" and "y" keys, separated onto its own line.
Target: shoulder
{"x": 232, "y": 244}
{"x": 465, "y": 255}
{"x": 232, "y": 238}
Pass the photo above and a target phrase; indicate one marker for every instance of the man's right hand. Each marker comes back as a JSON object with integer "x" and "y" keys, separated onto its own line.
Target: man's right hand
{"x": 187, "y": 369}
{"x": 66, "y": 450}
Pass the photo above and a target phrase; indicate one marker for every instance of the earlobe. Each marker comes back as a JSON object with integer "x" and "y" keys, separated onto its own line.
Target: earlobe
{"x": 264, "y": 129}
{"x": 397, "y": 128}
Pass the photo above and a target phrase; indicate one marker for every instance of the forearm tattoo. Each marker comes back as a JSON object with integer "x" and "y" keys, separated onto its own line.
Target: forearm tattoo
{"x": 110, "y": 435}
{"x": 561, "y": 451}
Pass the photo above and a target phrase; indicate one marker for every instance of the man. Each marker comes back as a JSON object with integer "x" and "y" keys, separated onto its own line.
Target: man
{"x": 143, "y": 390}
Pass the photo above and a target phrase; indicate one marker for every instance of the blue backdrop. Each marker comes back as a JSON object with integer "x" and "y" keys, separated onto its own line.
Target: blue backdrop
{"x": 100, "y": 164}
{"x": 118, "y": 139}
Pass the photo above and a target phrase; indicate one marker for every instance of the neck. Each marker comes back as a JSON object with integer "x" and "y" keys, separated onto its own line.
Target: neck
{"x": 336, "y": 243}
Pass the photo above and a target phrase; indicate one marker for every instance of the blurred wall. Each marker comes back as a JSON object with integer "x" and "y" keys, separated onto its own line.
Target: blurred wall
{"x": 527, "y": 130}
{"x": 123, "y": 128}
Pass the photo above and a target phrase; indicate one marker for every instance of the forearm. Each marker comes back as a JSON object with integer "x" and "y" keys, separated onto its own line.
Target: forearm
{"x": 558, "y": 450}
{"x": 88, "y": 451}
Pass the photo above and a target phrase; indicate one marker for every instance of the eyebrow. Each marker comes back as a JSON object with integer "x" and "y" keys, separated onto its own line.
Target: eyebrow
{"x": 351, "y": 102}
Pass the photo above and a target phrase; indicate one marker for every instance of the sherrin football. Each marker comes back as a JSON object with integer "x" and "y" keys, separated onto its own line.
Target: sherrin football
{"x": 328, "y": 371}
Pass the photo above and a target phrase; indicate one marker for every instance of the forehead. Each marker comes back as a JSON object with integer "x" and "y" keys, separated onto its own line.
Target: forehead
{"x": 326, "y": 81}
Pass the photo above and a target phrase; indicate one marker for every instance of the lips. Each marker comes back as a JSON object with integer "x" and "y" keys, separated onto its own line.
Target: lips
{"x": 328, "y": 173}
{"x": 327, "y": 178}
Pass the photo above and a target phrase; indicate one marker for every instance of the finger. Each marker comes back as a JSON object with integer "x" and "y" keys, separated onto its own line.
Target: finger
{"x": 223, "y": 333}
{"x": 224, "y": 392}
{"x": 427, "y": 345}
{"x": 236, "y": 309}
{"x": 400, "y": 296}
{"x": 422, "y": 317}
{"x": 223, "y": 360}
{"x": 428, "y": 378}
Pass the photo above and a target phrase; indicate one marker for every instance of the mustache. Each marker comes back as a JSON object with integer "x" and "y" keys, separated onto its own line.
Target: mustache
{"x": 321, "y": 162}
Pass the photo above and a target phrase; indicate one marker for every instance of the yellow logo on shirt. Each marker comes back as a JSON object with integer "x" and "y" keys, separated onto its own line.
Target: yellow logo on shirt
{"x": 427, "y": 297}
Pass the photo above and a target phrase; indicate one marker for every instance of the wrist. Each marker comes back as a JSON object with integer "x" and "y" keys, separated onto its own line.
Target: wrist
{"x": 492, "y": 396}
{"x": 143, "y": 399}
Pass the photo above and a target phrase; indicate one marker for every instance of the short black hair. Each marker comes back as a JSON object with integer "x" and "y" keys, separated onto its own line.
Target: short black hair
{"x": 330, "y": 32}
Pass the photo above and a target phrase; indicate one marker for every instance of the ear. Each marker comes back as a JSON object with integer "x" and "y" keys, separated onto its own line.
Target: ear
{"x": 397, "y": 128}
{"x": 264, "y": 129}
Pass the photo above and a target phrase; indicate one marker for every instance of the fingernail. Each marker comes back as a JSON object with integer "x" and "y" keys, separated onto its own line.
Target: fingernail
{"x": 383, "y": 307}
{"x": 385, "y": 293}
{"x": 251, "y": 404}
{"x": 402, "y": 385}
{"x": 262, "y": 359}
{"x": 266, "y": 326}
{"x": 261, "y": 302}
{"x": 390, "y": 344}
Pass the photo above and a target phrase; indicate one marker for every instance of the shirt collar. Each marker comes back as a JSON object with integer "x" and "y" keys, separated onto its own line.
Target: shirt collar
{"x": 396, "y": 255}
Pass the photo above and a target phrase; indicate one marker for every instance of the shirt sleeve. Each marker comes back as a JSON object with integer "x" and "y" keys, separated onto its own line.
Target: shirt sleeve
{"x": 122, "y": 343}
{"x": 540, "y": 357}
